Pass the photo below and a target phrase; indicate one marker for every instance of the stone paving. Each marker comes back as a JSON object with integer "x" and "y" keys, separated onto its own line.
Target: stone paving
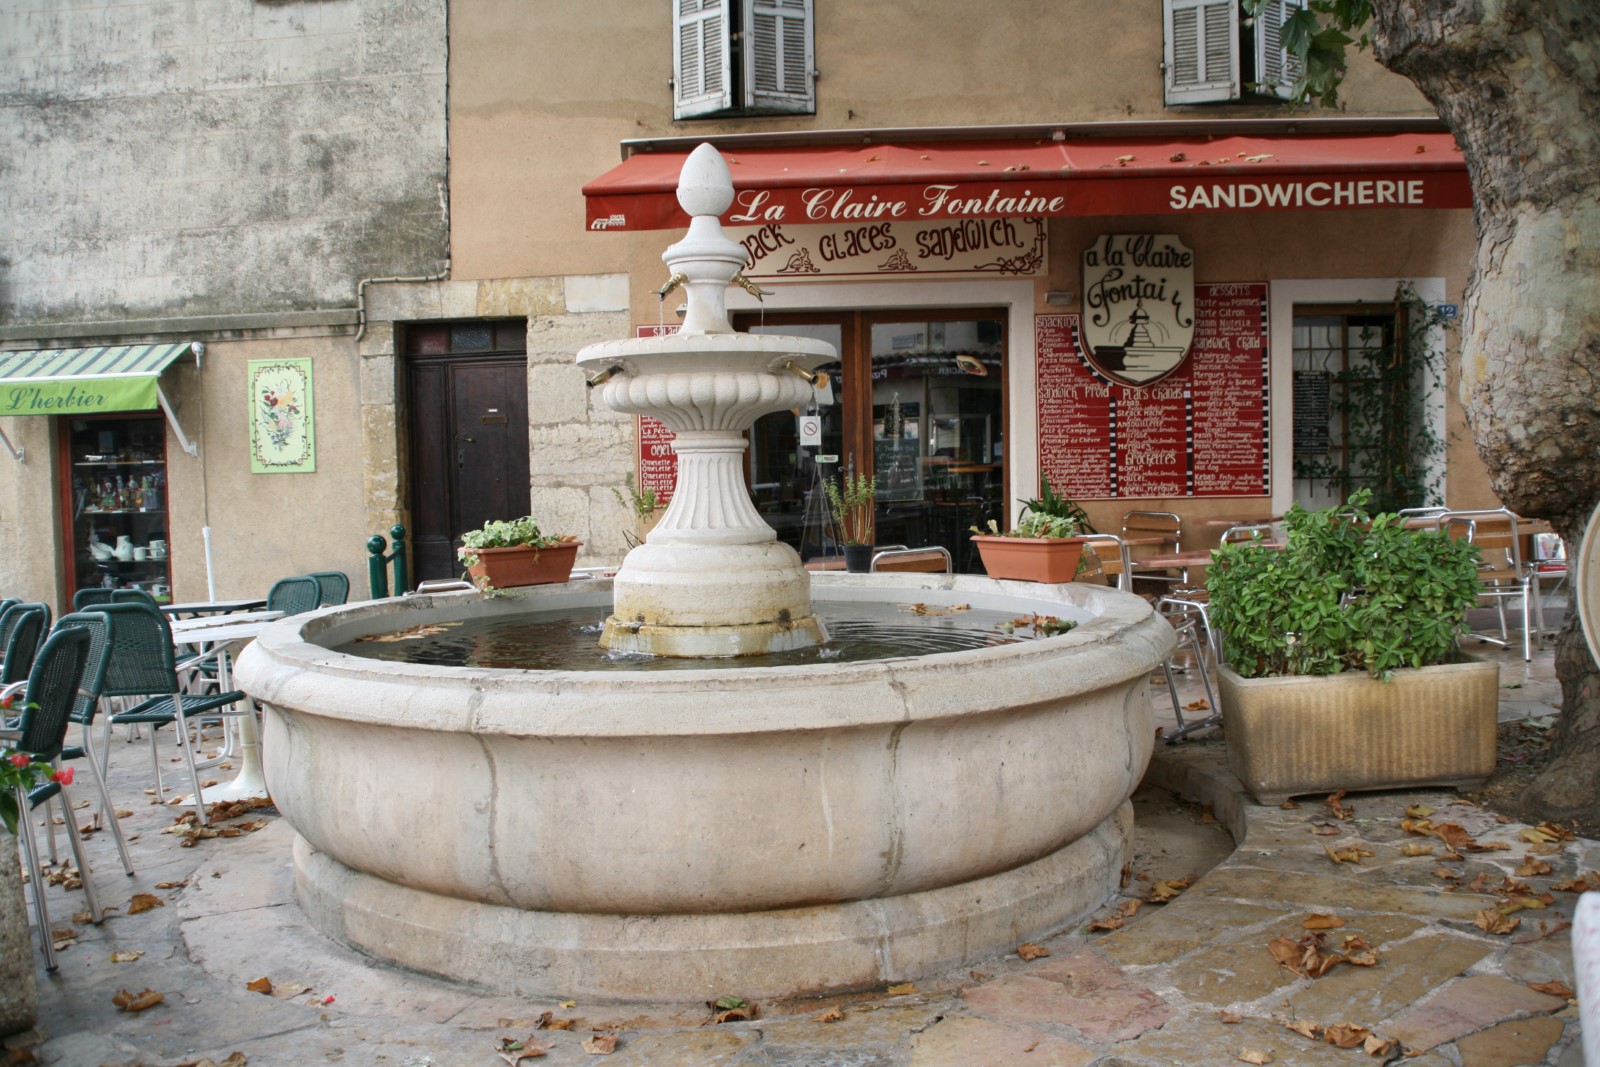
{"x": 1191, "y": 981}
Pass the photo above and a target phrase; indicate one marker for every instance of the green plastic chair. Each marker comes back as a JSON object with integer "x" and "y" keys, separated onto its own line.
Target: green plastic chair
{"x": 86, "y": 598}
{"x": 295, "y": 595}
{"x": 130, "y": 596}
{"x": 335, "y": 586}
{"x": 21, "y": 629}
{"x": 87, "y": 706}
{"x": 48, "y": 694}
{"x": 143, "y": 664}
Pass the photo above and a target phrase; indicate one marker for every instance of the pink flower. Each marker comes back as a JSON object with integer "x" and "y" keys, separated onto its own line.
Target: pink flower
{"x": 64, "y": 776}
{"x": 20, "y": 760}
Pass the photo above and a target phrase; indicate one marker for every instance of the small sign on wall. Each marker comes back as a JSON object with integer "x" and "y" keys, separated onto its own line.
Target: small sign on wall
{"x": 1138, "y": 302}
{"x": 283, "y": 437}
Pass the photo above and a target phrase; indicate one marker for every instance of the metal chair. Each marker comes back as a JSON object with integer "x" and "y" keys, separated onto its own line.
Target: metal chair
{"x": 932, "y": 559}
{"x": 132, "y": 596}
{"x": 87, "y": 706}
{"x": 143, "y": 664}
{"x": 1111, "y": 560}
{"x": 1193, "y": 626}
{"x": 50, "y": 689}
{"x": 335, "y": 587}
{"x": 295, "y": 595}
{"x": 1501, "y": 573}
{"x": 21, "y": 629}
{"x": 1166, "y": 525}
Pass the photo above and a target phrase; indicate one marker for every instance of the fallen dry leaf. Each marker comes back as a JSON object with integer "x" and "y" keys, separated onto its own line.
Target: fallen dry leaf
{"x": 832, "y": 1015}
{"x": 289, "y": 990}
{"x": 600, "y": 1044}
{"x": 1114, "y": 921}
{"x": 1419, "y": 811}
{"x": 260, "y": 985}
{"x": 1166, "y": 890}
{"x": 1303, "y": 1027}
{"x": 1553, "y": 989}
{"x": 1493, "y": 922}
{"x": 1590, "y": 881}
{"x": 514, "y": 1052}
{"x": 1532, "y": 865}
{"x": 126, "y": 955}
{"x": 1323, "y": 828}
{"x": 1346, "y": 1035}
{"x": 902, "y": 990}
{"x": 144, "y": 902}
{"x": 1319, "y": 921}
{"x": 83, "y": 918}
{"x": 1352, "y": 854}
{"x": 1547, "y": 832}
{"x": 1251, "y": 1055}
{"x": 1416, "y": 848}
{"x": 1288, "y": 805}
{"x": 1229, "y": 1018}
{"x": 171, "y": 885}
{"x": 137, "y": 1001}
{"x": 1030, "y": 952}
{"x": 1335, "y": 804}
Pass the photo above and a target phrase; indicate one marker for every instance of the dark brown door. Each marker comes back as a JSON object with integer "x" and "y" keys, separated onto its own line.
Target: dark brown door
{"x": 467, "y": 385}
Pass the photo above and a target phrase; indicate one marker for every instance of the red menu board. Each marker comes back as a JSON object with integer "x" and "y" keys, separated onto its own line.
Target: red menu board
{"x": 1200, "y": 431}
{"x": 658, "y": 463}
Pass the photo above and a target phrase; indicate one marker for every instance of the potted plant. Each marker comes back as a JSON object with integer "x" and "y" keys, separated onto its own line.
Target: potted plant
{"x": 1340, "y": 668}
{"x": 852, "y": 503}
{"x": 645, "y": 506}
{"x": 506, "y": 553}
{"x": 1045, "y": 546}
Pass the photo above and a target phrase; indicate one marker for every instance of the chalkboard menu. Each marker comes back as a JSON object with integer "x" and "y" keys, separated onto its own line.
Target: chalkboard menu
{"x": 1201, "y": 431}
{"x": 1311, "y": 411}
{"x": 658, "y": 463}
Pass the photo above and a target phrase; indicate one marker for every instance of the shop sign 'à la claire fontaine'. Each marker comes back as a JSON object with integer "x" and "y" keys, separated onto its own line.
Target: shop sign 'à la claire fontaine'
{"x": 1008, "y": 247}
{"x": 1138, "y": 306}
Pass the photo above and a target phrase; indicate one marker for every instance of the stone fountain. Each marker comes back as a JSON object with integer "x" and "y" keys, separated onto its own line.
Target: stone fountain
{"x": 681, "y": 835}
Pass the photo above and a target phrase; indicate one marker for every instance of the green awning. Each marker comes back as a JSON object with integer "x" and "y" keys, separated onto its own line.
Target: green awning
{"x": 84, "y": 381}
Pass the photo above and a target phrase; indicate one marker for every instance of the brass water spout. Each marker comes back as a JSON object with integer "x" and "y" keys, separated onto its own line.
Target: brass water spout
{"x": 817, "y": 378}
{"x": 605, "y": 375}
{"x": 749, "y": 286}
{"x": 673, "y": 282}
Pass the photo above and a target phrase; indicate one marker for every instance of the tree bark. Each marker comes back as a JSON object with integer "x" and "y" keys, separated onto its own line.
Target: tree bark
{"x": 1518, "y": 83}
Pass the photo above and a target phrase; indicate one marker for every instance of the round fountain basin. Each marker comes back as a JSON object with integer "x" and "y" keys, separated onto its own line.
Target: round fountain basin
{"x": 685, "y": 833}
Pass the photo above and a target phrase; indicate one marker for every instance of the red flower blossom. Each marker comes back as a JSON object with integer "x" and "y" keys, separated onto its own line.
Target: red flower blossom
{"x": 18, "y": 759}
{"x": 64, "y": 776}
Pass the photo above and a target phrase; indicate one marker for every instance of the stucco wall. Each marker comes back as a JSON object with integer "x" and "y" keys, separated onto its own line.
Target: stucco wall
{"x": 213, "y": 157}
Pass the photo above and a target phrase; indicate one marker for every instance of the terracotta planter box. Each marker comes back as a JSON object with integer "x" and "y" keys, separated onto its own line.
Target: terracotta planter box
{"x": 1319, "y": 733}
{"x": 1030, "y": 559}
{"x": 506, "y": 568}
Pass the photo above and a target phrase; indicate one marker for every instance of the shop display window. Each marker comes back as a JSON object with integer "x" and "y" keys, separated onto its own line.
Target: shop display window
{"x": 114, "y": 478}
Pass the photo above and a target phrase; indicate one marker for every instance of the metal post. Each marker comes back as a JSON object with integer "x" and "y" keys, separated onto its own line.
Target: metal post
{"x": 377, "y": 572}
{"x": 401, "y": 582}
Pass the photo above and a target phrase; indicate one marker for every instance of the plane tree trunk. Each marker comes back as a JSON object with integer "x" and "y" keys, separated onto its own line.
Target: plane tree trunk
{"x": 1518, "y": 83}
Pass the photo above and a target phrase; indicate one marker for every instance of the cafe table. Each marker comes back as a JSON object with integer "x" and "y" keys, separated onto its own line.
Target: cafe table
{"x": 222, "y": 639}
{"x": 1182, "y": 562}
{"x": 213, "y": 607}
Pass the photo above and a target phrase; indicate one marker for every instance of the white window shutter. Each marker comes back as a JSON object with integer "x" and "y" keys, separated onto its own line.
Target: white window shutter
{"x": 702, "y": 63}
{"x": 1202, "y": 48}
{"x": 1276, "y": 69}
{"x": 778, "y": 56}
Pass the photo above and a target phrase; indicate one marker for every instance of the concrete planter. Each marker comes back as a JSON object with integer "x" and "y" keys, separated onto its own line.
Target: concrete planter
{"x": 1030, "y": 559}
{"x": 1310, "y": 734}
{"x": 19, "y": 998}
{"x": 507, "y": 568}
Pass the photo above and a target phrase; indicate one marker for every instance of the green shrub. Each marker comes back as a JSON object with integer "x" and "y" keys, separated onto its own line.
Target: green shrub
{"x": 1350, "y": 592}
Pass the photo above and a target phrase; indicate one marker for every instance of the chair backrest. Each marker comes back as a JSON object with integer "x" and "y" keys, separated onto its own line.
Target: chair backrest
{"x": 1246, "y": 532}
{"x": 294, "y": 595}
{"x": 335, "y": 586}
{"x": 52, "y": 688}
{"x": 1111, "y": 553}
{"x": 100, "y": 628}
{"x": 1164, "y": 524}
{"x": 1496, "y": 535}
{"x": 25, "y": 626}
{"x": 95, "y": 594}
{"x": 142, "y": 661}
{"x": 131, "y": 596}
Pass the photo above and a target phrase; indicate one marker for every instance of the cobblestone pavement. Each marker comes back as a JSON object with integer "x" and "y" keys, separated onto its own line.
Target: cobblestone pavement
{"x": 1191, "y": 981}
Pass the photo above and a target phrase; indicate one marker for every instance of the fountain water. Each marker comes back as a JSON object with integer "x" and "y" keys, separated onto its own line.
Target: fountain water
{"x": 685, "y": 834}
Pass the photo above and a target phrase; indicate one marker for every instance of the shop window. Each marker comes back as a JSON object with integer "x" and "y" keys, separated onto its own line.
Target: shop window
{"x": 115, "y": 511}
{"x": 742, "y": 57}
{"x": 1214, "y": 53}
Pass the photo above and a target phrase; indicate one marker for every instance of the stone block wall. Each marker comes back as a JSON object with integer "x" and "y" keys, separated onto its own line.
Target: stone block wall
{"x": 216, "y": 157}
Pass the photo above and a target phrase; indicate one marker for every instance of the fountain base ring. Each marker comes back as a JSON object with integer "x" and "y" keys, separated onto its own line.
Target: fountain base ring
{"x": 711, "y": 642}
{"x": 697, "y": 957}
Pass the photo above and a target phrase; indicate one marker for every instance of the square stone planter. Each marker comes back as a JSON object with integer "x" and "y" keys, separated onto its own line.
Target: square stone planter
{"x": 1030, "y": 559}
{"x": 1320, "y": 733}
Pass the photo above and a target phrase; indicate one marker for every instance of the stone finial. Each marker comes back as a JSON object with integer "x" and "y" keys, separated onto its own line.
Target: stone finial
{"x": 705, "y": 261}
{"x": 705, "y": 186}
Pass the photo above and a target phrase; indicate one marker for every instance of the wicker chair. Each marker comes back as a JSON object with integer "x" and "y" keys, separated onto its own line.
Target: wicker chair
{"x": 132, "y": 596}
{"x": 295, "y": 595}
{"x": 88, "y": 598}
{"x": 143, "y": 664}
{"x": 21, "y": 629}
{"x": 100, "y": 625}
{"x": 335, "y": 586}
{"x": 50, "y": 690}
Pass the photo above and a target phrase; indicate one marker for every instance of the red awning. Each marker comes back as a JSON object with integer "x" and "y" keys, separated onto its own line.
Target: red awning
{"x": 1083, "y": 176}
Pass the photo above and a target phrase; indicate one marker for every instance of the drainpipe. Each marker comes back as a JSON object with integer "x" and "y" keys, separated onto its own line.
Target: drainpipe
{"x": 361, "y": 293}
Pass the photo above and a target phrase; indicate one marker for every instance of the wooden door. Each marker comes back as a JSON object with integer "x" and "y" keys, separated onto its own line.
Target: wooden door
{"x": 468, "y": 433}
